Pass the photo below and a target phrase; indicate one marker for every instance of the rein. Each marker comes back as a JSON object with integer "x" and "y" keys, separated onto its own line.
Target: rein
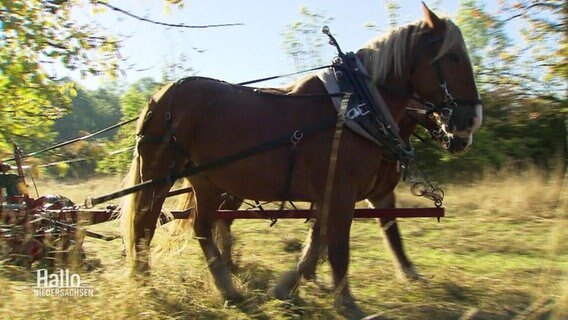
{"x": 281, "y": 76}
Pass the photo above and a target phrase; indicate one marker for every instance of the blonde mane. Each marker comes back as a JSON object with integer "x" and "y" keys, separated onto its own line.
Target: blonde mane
{"x": 388, "y": 53}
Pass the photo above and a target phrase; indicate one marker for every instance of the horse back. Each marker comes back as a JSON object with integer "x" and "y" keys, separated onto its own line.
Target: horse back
{"x": 215, "y": 119}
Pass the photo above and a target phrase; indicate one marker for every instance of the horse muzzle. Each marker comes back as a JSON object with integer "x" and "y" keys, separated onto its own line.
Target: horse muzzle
{"x": 459, "y": 145}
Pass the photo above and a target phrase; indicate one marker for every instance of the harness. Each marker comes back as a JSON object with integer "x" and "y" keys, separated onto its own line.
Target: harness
{"x": 168, "y": 138}
{"x": 367, "y": 107}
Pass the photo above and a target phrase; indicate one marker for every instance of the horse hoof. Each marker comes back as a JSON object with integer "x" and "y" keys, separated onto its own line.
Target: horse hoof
{"x": 354, "y": 313}
{"x": 284, "y": 289}
{"x": 140, "y": 272}
{"x": 232, "y": 298}
{"x": 410, "y": 274}
{"x": 141, "y": 267}
{"x": 349, "y": 309}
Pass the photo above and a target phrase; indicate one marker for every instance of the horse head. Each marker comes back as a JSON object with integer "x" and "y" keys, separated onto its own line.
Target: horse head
{"x": 442, "y": 77}
{"x": 428, "y": 61}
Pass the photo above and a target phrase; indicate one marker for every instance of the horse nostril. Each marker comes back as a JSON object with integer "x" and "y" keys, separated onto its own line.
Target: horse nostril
{"x": 471, "y": 122}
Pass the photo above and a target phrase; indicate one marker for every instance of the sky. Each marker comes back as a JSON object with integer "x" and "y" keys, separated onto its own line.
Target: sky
{"x": 240, "y": 53}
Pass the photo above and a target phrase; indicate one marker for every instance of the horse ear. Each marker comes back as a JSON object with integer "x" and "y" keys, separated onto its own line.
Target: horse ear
{"x": 432, "y": 20}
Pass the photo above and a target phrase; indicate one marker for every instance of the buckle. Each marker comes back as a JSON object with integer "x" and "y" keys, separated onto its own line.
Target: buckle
{"x": 357, "y": 111}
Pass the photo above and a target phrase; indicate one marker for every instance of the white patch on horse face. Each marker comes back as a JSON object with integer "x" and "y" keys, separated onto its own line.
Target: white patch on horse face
{"x": 478, "y": 118}
{"x": 444, "y": 128}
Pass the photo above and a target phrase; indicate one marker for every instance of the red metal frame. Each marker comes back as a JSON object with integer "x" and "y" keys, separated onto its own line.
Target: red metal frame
{"x": 359, "y": 213}
{"x": 306, "y": 214}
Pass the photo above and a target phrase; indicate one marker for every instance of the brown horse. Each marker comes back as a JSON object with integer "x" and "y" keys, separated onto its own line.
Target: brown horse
{"x": 198, "y": 120}
{"x": 386, "y": 200}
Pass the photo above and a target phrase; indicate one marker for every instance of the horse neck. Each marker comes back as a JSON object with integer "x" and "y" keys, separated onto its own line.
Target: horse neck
{"x": 395, "y": 89}
{"x": 396, "y": 95}
{"x": 392, "y": 96}
{"x": 407, "y": 127}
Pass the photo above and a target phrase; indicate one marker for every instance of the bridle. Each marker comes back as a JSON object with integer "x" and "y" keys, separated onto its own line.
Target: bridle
{"x": 445, "y": 109}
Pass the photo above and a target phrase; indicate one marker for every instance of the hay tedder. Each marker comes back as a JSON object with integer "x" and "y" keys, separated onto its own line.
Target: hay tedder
{"x": 49, "y": 229}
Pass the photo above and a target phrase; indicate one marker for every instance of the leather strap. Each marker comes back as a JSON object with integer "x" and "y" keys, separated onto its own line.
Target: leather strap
{"x": 332, "y": 166}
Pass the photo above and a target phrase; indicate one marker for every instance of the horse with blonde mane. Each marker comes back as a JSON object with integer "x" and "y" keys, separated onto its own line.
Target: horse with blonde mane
{"x": 222, "y": 234}
{"x": 198, "y": 121}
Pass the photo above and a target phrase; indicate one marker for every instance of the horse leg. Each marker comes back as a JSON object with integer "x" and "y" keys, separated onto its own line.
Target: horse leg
{"x": 311, "y": 253}
{"x": 222, "y": 232}
{"x": 150, "y": 205}
{"x": 140, "y": 210}
{"x": 209, "y": 198}
{"x": 224, "y": 240}
{"x": 338, "y": 230}
{"x": 393, "y": 239}
{"x": 305, "y": 268}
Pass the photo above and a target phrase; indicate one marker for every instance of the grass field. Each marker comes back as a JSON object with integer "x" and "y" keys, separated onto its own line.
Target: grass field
{"x": 501, "y": 253}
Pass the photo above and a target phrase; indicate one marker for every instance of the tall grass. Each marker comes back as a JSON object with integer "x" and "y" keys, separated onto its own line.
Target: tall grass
{"x": 501, "y": 253}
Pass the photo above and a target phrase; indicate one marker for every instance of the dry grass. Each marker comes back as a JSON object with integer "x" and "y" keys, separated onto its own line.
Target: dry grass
{"x": 501, "y": 253}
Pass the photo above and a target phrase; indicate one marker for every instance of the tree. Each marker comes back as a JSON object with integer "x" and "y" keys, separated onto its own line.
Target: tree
{"x": 131, "y": 103}
{"x": 303, "y": 40}
{"x": 392, "y": 7}
{"x": 91, "y": 111}
{"x": 523, "y": 121}
{"x": 546, "y": 36}
{"x": 488, "y": 46}
{"x": 35, "y": 34}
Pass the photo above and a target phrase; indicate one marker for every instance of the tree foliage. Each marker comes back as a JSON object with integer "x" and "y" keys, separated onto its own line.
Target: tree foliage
{"x": 522, "y": 122}
{"x": 545, "y": 31}
{"x": 34, "y": 34}
{"x": 131, "y": 104}
{"x": 303, "y": 40}
{"x": 91, "y": 111}
{"x": 490, "y": 49}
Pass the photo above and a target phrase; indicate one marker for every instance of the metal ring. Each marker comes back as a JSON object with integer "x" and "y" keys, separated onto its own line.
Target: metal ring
{"x": 429, "y": 106}
{"x": 89, "y": 203}
{"x": 446, "y": 113}
{"x": 296, "y": 137}
{"x": 417, "y": 189}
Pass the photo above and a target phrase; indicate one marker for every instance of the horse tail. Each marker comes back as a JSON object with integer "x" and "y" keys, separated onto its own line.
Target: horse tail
{"x": 179, "y": 230}
{"x": 129, "y": 207}
{"x": 185, "y": 202}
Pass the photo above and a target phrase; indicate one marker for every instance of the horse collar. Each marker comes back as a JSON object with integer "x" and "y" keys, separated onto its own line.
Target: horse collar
{"x": 367, "y": 113}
